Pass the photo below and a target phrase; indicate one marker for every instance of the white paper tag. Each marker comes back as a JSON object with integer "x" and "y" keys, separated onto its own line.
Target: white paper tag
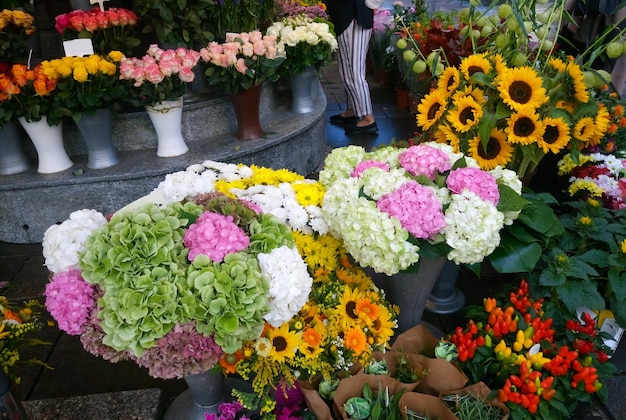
{"x": 78, "y": 47}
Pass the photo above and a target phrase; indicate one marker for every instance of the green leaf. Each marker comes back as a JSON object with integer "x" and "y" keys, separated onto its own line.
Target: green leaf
{"x": 577, "y": 293}
{"x": 551, "y": 279}
{"x": 510, "y": 200}
{"x": 515, "y": 256}
{"x": 580, "y": 269}
{"x": 617, "y": 281}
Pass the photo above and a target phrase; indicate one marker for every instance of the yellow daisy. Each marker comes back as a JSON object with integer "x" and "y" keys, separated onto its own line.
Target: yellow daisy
{"x": 496, "y": 152}
{"x": 466, "y": 114}
{"x": 524, "y": 127}
{"x": 521, "y": 88}
{"x": 585, "y": 186}
{"x": 430, "y": 109}
{"x": 556, "y": 135}
{"x": 308, "y": 193}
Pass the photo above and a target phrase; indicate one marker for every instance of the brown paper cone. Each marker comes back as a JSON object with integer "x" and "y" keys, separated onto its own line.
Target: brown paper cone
{"x": 418, "y": 340}
{"x": 425, "y": 405}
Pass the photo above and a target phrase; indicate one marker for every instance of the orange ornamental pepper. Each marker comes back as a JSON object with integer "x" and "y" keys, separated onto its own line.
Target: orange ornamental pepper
{"x": 490, "y": 304}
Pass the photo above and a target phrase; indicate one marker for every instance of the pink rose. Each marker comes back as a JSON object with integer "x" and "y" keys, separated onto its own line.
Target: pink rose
{"x": 186, "y": 74}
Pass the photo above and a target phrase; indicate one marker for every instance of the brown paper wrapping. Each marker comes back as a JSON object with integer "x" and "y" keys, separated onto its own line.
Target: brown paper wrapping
{"x": 314, "y": 402}
{"x": 425, "y": 405}
{"x": 417, "y": 340}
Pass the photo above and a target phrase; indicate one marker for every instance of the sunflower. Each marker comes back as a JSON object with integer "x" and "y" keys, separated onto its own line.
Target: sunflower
{"x": 284, "y": 343}
{"x": 524, "y": 127}
{"x": 521, "y": 88}
{"x": 601, "y": 121}
{"x": 383, "y": 326}
{"x": 430, "y": 109}
{"x": 477, "y": 63}
{"x": 496, "y": 152}
{"x": 367, "y": 311}
{"x": 466, "y": 114}
{"x": 557, "y": 64}
{"x": 474, "y": 92}
{"x": 499, "y": 64}
{"x": 445, "y": 134}
{"x": 355, "y": 340}
{"x": 555, "y": 136}
{"x": 311, "y": 343}
{"x": 577, "y": 77}
{"x": 584, "y": 129}
{"x": 449, "y": 80}
{"x": 347, "y": 303}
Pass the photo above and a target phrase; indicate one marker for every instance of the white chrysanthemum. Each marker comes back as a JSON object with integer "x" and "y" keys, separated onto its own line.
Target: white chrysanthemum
{"x": 378, "y": 182}
{"x": 472, "y": 228}
{"x": 229, "y": 171}
{"x": 178, "y": 186}
{"x": 609, "y": 184}
{"x": 611, "y": 162}
{"x": 372, "y": 237}
{"x": 316, "y": 220}
{"x": 340, "y": 163}
{"x": 290, "y": 283}
{"x": 62, "y": 243}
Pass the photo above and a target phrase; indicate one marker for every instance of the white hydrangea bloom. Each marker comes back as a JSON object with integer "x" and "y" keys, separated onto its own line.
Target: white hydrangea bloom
{"x": 472, "y": 228}
{"x": 389, "y": 155}
{"x": 340, "y": 163}
{"x": 62, "y": 243}
{"x": 509, "y": 178}
{"x": 178, "y": 186}
{"x": 378, "y": 182}
{"x": 290, "y": 283}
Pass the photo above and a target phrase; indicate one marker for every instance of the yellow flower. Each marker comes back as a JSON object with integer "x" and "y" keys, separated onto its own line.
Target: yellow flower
{"x": 576, "y": 76}
{"x": 116, "y": 56}
{"x": 284, "y": 343}
{"x": 623, "y": 246}
{"x": 476, "y": 63}
{"x": 382, "y": 328}
{"x": 585, "y": 221}
{"x": 584, "y": 129}
{"x": 521, "y": 88}
{"x": 430, "y": 109}
{"x": 445, "y": 134}
{"x": 449, "y": 80}
{"x": 496, "y": 152}
{"x": 587, "y": 186}
{"x": 91, "y": 64}
{"x": 465, "y": 114}
{"x": 308, "y": 194}
{"x": 355, "y": 340}
{"x": 347, "y": 303}
{"x": 524, "y": 127}
{"x": 80, "y": 74}
{"x": 556, "y": 135}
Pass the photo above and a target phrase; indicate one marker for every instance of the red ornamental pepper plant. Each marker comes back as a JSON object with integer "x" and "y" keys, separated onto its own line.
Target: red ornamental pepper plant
{"x": 511, "y": 345}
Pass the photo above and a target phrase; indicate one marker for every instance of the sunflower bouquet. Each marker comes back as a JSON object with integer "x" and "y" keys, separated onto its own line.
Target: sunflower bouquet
{"x": 345, "y": 318}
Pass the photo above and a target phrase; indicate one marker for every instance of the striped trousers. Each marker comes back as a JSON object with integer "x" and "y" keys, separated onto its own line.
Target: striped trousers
{"x": 353, "y": 45}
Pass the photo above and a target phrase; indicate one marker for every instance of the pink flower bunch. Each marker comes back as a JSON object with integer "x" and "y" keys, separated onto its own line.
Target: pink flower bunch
{"x": 94, "y": 19}
{"x": 214, "y": 235}
{"x": 416, "y": 207}
{"x": 424, "y": 160}
{"x": 182, "y": 351}
{"x": 69, "y": 300}
{"x": 158, "y": 64}
{"x": 228, "y": 411}
{"x": 366, "y": 164}
{"x": 475, "y": 180}
{"x": 383, "y": 20}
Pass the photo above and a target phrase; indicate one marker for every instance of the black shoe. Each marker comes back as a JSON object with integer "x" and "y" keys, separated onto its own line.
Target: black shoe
{"x": 366, "y": 129}
{"x": 339, "y": 120}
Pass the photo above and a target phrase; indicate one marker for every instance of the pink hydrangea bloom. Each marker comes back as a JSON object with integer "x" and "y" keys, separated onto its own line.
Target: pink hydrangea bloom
{"x": 424, "y": 160}
{"x": 475, "y": 180}
{"x": 366, "y": 164}
{"x": 416, "y": 207}
{"x": 69, "y": 300}
{"x": 214, "y": 235}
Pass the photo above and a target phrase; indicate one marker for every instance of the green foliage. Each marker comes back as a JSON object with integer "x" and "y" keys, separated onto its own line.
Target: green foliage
{"x": 375, "y": 406}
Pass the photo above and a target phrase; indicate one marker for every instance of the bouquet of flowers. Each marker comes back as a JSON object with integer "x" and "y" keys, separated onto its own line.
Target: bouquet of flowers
{"x": 614, "y": 141}
{"x": 175, "y": 286}
{"x": 16, "y": 26}
{"x": 514, "y": 347}
{"x": 27, "y": 93}
{"x": 160, "y": 75}
{"x": 292, "y": 8}
{"x": 596, "y": 176}
{"x": 109, "y": 30}
{"x": 346, "y": 317}
{"x": 305, "y": 41}
{"x": 393, "y": 205}
{"x": 85, "y": 84}
{"x": 244, "y": 60}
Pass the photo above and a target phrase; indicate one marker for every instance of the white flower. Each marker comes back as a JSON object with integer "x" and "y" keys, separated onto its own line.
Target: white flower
{"x": 62, "y": 243}
{"x": 378, "y": 182}
{"x": 340, "y": 163}
{"x": 290, "y": 283}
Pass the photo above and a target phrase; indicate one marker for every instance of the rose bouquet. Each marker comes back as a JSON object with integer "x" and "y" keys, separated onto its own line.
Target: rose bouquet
{"x": 16, "y": 26}
{"x": 244, "y": 60}
{"x": 109, "y": 30}
{"x": 539, "y": 369}
{"x": 85, "y": 84}
{"x": 306, "y": 42}
{"x": 392, "y": 206}
{"x": 346, "y": 317}
{"x": 160, "y": 75}
{"x": 175, "y": 286}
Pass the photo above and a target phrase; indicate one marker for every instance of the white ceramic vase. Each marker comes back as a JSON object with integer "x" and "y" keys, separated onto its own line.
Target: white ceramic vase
{"x": 48, "y": 141}
{"x": 167, "y": 119}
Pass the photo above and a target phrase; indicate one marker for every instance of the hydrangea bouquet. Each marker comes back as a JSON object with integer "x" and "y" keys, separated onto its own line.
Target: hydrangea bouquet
{"x": 346, "y": 317}
{"x": 392, "y": 206}
{"x": 174, "y": 286}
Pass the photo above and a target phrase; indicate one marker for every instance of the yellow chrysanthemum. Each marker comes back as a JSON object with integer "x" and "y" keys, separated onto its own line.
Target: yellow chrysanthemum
{"x": 581, "y": 93}
{"x": 449, "y": 80}
{"x": 308, "y": 193}
{"x": 586, "y": 186}
{"x": 567, "y": 164}
{"x": 355, "y": 340}
{"x": 556, "y": 135}
{"x": 476, "y": 63}
{"x": 430, "y": 109}
{"x": 584, "y": 129}
{"x": 284, "y": 343}
{"x": 496, "y": 152}
{"x": 521, "y": 88}
{"x": 465, "y": 114}
{"x": 524, "y": 127}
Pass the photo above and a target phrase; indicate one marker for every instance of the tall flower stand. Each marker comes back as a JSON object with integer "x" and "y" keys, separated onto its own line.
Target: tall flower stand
{"x": 410, "y": 291}
{"x": 445, "y": 297}
{"x": 167, "y": 119}
{"x": 96, "y": 130}
{"x": 246, "y": 103}
{"x": 12, "y": 157}
{"x": 48, "y": 141}
{"x": 301, "y": 91}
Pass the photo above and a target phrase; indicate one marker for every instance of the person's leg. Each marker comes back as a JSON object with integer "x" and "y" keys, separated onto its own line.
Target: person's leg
{"x": 353, "y": 45}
